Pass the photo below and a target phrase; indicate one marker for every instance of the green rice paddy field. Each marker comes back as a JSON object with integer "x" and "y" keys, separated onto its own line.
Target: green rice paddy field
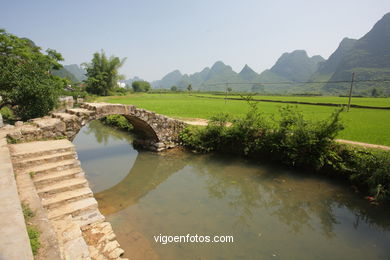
{"x": 362, "y": 125}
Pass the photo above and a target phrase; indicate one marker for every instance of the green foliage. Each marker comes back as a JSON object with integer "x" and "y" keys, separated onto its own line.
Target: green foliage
{"x": 370, "y": 169}
{"x": 27, "y": 212}
{"x": 7, "y": 114}
{"x": 140, "y": 86}
{"x": 362, "y": 125}
{"x": 25, "y": 84}
{"x": 118, "y": 121}
{"x": 120, "y": 91}
{"x": 33, "y": 235}
{"x": 173, "y": 88}
{"x": 75, "y": 91}
{"x": 32, "y": 231}
{"x": 102, "y": 73}
{"x": 294, "y": 141}
{"x": 291, "y": 139}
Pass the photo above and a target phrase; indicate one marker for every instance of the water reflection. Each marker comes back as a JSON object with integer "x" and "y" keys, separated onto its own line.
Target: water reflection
{"x": 269, "y": 210}
{"x": 106, "y": 154}
{"x": 148, "y": 171}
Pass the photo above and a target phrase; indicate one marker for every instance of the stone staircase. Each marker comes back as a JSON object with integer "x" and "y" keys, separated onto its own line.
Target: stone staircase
{"x": 67, "y": 199}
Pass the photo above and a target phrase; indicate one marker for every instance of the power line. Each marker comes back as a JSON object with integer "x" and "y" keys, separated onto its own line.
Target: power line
{"x": 298, "y": 82}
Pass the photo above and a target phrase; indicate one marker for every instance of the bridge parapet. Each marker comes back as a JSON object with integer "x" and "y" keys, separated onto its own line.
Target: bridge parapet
{"x": 156, "y": 132}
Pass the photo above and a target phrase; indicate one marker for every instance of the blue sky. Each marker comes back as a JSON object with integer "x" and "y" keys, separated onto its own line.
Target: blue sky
{"x": 158, "y": 37}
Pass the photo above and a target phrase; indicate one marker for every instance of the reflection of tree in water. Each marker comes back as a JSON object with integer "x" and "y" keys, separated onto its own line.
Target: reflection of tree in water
{"x": 103, "y": 132}
{"x": 297, "y": 202}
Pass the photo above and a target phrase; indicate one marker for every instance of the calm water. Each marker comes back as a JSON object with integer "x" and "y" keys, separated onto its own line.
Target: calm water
{"x": 272, "y": 212}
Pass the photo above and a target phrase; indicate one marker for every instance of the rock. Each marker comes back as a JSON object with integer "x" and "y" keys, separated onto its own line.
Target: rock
{"x": 18, "y": 123}
{"x": 159, "y": 145}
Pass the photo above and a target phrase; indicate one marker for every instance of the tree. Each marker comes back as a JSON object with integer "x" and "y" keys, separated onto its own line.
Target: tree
{"x": 26, "y": 84}
{"x": 173, "y": 88}
{"x": 229, "y": 89}
{"x": 374, "y": 92}
{"x": 189, "y": 88}
{"x": 257, "y": 88}
{"x": 102, "y": 73}
{"x": 140, "y": 86}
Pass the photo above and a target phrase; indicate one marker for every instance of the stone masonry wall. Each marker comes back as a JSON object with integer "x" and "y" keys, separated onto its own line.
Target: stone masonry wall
{"x": 157, "y": 132}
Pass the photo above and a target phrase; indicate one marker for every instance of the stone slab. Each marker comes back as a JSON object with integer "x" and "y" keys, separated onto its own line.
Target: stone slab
{"x": 14, "y": 241}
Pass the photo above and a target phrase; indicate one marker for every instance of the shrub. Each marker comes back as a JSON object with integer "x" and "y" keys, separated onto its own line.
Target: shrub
{"x": 7, "y": 114}
{"x": 33, "y": 233}
{"x": 294, "y": 141}
{"x": 118, "y": 121}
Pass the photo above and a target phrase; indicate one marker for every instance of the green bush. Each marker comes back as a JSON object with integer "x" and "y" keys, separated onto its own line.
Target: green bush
{"x": 294, "y": 141}
{"x": 33, "y": 235}
{"x": 118, "y": 121}
{"x": 7, "y": 114}
{"x": 369, "y": 169}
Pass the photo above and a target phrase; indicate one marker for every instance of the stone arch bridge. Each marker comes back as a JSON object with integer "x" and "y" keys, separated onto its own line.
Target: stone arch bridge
{"x": 155, "y": 132}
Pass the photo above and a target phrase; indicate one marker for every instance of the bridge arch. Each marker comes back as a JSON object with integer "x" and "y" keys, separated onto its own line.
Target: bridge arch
{"x": 156, "y": 132}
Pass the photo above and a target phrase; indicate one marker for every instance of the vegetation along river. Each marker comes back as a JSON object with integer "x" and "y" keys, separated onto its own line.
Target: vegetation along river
{"x": 271, "y": 212}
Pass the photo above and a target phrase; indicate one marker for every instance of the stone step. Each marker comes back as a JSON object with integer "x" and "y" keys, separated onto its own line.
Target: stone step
{"x": 88, "y": 217}
{"x": 39, "y": 160}
{"x": 80, "y": 111}
{"x": 75, "y": 209}
{"x": 61, "y": 198}
{"x": 43, "y": 179}
{"x": 65, "y": 116}
{"x": 61, "y": 186}
{"x": 50, "y": 167}
{"x": 39, "y": 148}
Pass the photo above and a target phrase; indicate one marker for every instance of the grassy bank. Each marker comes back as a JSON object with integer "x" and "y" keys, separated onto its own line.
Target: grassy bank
{"x": 361, "y": 101}
{"x": 295, "y": 141}
{"x": 362, "y": 125}
{"x": 32, "y": 231}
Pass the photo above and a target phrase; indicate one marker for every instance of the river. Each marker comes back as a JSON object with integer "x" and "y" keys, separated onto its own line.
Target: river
{"x": 271, "y": 212}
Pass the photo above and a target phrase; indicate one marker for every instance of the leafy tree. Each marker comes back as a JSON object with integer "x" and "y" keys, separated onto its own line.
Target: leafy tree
{"x": 26, "y": 84}
{"x": 102, "y": 73}
{"x": 229, "y": 89}
{"x": 257, "y": 88}
{"x": 140, "y": 86}
{"x": 174, "y": 88}
{"x": 189, "y": 88}
{"x": 374, "y": 92}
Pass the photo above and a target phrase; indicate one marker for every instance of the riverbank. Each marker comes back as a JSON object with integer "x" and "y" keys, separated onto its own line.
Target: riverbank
{"x": 361, "y": 125}
{"x": 297, "y": 143}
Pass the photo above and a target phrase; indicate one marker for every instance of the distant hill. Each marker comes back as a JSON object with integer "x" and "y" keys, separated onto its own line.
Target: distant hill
{"x": 209, "y": 78}
{"x": 64, "y": 73}
{"x": 72, "y": 72}
{"x": 248, "y": 74}
{"x": 296, "y": 66}
{"x": 78, "y": 72}
{"x": 368, "y": 57}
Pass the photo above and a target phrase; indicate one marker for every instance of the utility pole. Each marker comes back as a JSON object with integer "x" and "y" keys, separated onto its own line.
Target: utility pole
{"x": 226, "y": 92}
{"x": 350, "y": 91}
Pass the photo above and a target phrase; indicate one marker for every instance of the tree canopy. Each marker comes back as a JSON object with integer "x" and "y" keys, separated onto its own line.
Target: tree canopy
{"x": 102, "y": 73}
{"x": 26, "y": 84}
{"x": 140, "y": 86}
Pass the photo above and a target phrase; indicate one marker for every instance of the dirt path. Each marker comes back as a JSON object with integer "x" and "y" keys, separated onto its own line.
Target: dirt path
{"x": 203, "y": 122}
{"x": 376, "y": 146}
